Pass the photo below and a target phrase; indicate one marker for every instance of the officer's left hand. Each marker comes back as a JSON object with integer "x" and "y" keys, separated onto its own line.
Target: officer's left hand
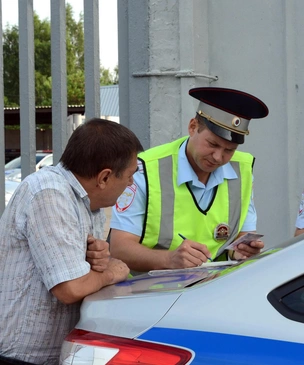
{"x": 98, "y": 254}
{"x": 243, "y": 251}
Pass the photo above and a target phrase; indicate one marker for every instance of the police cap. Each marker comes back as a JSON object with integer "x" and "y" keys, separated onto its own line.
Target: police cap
{"x": 227, "y": 112}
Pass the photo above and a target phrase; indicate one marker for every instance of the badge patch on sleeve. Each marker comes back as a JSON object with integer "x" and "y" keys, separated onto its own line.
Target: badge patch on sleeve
{"x": 126, "y": 198}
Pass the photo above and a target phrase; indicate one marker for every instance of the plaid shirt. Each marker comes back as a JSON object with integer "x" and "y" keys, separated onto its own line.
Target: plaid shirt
{"x": 43, "y": 242}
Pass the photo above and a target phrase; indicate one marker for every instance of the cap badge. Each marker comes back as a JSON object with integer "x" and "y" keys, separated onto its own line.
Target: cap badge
{"x": 236, "y": 121}
{"x": 222, "y": 231}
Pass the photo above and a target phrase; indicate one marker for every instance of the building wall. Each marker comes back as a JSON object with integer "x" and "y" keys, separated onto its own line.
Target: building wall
{"x": 12, "y": 142}
{"x": 255, "y": 46}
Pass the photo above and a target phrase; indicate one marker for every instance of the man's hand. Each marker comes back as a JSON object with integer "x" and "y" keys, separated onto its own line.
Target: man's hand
{"x": 117, "y": 271}
{"x": 98, "y": 254}
{"x": 188, "y": 254}
{"x": 72, "y": 291}
{"x": 243, "y": 251}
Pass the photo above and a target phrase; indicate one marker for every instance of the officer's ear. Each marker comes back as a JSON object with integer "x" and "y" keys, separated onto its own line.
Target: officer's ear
{"x": 193, "y": 126}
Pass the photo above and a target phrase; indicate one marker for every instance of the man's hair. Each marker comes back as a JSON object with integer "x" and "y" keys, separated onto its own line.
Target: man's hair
{"x": 99, "y": 144}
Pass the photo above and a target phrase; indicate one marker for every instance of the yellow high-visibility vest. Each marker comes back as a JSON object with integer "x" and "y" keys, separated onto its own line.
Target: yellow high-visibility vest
{"x": 172, "y": 209}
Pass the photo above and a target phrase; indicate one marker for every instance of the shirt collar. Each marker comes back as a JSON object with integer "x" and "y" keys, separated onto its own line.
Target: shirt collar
{"x": 72, "y": 180}
{"x": 185, "y": 172}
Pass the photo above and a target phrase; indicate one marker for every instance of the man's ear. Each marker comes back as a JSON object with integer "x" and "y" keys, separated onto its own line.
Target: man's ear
{"x": 103, "y": 178}
{"x": 193, "y": 125}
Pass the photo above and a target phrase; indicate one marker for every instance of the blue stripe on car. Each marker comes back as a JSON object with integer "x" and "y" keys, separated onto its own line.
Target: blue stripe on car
{"x": 218, "y": 348}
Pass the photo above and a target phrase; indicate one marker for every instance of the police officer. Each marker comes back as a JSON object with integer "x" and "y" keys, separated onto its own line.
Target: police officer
{"x": 192, "y": 197}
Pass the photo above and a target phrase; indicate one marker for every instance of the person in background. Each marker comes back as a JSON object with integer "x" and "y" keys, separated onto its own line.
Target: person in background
{"x": 300, "y": 218}
{"x": 51, "y": 254}
{"x": 192, "y": 197}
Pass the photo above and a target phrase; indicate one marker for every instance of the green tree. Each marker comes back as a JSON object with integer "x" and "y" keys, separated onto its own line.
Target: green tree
{"x": 43, "y": 79}
{"x": 43, "y": 89}
{"x": 11, "y": 65}
{"x": 42, "y": 44}
{"x": 75, "y": 88}
{"x": 116, "y": 75}
{"x": 74, "y": 41}
{"x": 106, "y": 77}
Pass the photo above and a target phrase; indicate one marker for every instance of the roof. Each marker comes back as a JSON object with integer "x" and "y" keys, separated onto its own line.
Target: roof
{"x": 109, "y": 101}
{"x": 43, "y": 114}
{"x": 109, "y": 107}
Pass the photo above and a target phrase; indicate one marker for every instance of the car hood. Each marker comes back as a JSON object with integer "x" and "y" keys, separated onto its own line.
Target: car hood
{"x": 129, "y": 308}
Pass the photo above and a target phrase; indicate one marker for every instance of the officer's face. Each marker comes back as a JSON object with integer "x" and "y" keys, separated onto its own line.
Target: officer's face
{"x": 206, "y": 151}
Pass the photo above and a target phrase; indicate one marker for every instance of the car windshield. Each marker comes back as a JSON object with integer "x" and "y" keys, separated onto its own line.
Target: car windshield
{"x": 16, "y": 162}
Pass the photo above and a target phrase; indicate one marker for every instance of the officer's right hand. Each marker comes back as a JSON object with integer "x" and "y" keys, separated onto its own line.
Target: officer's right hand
{"x": 188, "y": 254}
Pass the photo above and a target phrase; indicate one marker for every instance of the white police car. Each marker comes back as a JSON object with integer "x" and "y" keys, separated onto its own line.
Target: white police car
{"x": 249, "y": 313}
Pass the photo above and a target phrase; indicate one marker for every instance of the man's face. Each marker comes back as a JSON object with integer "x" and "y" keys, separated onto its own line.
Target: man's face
{"x": 117, "y": 185}
{"x": 206, "y": 151}
{"x": 110, "y": 186}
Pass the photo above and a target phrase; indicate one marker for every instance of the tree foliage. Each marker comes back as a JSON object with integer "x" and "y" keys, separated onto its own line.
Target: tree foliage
{"x": 74, "y": 41}
{"x": 43, "y": 77}
{"x": 11, "y": 66}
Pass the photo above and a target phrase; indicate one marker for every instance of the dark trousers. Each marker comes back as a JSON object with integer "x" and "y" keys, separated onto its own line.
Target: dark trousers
{"x": 11, "y": 361}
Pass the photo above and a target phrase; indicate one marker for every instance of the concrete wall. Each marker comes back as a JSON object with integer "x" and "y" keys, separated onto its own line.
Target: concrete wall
{"x": 255, "y": 46}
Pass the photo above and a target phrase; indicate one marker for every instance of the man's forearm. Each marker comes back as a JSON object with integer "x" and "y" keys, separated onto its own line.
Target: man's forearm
{"x": 72, "y": 291}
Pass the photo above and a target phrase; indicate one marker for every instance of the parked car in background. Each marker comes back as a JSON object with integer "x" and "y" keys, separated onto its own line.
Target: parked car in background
{"x": 247, "y": 312}
{"x": 42, "y": 159}
{"x": 13, "y": 175}
{"x": 13, "y": 172}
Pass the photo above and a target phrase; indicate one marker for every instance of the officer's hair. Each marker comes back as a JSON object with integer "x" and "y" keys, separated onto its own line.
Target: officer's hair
{"x": 99, "y": 144}
{"x": 201, "y": 124}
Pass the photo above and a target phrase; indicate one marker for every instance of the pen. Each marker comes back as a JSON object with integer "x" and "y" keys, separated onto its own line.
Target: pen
{"x": 184, "y": 238}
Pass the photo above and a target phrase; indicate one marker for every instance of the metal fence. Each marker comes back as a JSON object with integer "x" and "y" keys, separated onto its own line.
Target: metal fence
{"x": 60, "y": 128}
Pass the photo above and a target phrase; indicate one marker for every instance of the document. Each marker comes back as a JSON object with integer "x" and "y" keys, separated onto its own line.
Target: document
{"x": 218, "y": 263}
{"x": 205, "y": 266}
{"x": 246, "y": 239}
